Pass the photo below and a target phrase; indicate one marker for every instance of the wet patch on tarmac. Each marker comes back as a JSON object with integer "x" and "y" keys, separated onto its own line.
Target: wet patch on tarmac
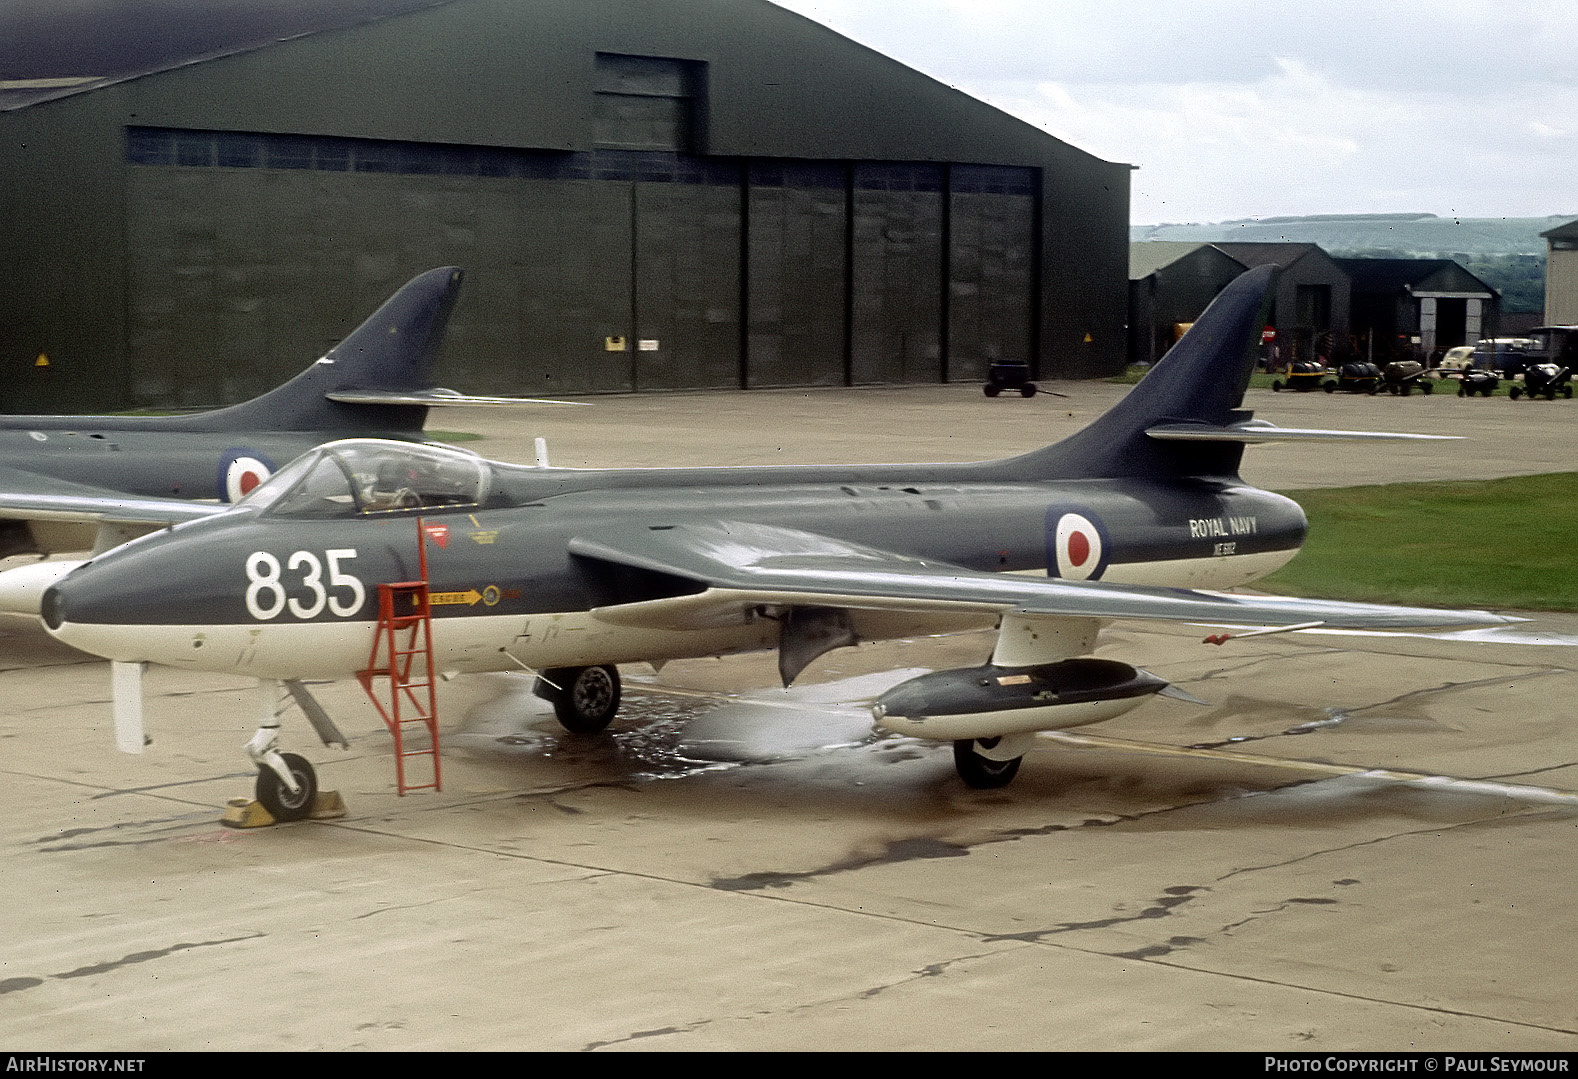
{"x": 666, "y": 733}
{"x": 901, "y": 850}
{"x": 14, "y": 985}
{"x": 1161, "y": 907}
{"x": 1156, "y": 951}
{"x": 159, "y": 829}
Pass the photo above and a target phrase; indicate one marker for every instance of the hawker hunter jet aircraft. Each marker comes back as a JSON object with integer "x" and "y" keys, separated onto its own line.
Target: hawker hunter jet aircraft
{"x": 64, "y": 480}
{"x": 571, "y": 572}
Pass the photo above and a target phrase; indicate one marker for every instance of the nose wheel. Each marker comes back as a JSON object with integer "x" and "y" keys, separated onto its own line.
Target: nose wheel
{"x": 287, "y": 784}
{"x": 275, "y": 796}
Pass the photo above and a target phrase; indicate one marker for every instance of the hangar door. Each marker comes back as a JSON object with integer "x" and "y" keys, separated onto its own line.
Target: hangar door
{"x": 629, "y": 274}
{"x": 608, "y": 270}
{"x": 269, "y": 247}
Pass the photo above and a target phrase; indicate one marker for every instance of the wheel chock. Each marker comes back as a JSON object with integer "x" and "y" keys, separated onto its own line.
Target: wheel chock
{"x": 246, "y": 813}
{"x": 249, "y": 813}
{"x": 327, "y": 805}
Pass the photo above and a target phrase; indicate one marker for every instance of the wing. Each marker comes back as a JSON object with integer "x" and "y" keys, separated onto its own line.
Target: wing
{"x": 723, "y": 568}
{"x": 77, "y": 516}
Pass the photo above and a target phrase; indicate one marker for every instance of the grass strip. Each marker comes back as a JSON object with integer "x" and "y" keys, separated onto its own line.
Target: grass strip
{"x": 1505, "y": 543}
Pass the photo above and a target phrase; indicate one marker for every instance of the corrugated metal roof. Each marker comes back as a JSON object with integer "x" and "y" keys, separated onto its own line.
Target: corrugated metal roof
{"x": 1148, "y": 256}
{"x": 1393, "y": 275}
{"x": 1280, "y": 255}
{"x": 49, "y": 48}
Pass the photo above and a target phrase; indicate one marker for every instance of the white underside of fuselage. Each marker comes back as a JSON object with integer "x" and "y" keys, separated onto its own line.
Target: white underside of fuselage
{"x": 497, "y": 642}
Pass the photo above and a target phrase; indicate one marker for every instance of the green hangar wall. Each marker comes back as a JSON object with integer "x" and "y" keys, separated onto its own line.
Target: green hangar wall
{"x": 645, "y": 194}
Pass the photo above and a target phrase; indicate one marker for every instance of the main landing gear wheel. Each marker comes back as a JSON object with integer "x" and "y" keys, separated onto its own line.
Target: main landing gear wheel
{"x": 584, "y": 698}
{"x": 274, "y": 796}
{"x": 980, "y": 772}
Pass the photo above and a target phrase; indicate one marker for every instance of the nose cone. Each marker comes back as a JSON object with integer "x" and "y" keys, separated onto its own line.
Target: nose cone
{"x": 72, "y": 616}
{"x": 52, "y": 608}
{"x": 108, "y": 606}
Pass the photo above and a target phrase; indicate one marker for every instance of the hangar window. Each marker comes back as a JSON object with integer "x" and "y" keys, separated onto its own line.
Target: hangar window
{"x": 649, "y": 103}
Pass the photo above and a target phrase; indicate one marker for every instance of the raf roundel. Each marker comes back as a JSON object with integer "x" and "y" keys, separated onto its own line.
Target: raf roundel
{"x": 240, "y": 475}
{"x": 1078, "y": 548}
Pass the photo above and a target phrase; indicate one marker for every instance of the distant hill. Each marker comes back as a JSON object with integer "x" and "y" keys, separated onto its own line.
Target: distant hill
{"x": 1344, "y": 235}
{"x": 1505, "y": 252}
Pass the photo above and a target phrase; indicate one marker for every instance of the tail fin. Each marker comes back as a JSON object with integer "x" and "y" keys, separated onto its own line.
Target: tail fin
{"x": 393, "y": 350}
{"x": 1201, "y": 381}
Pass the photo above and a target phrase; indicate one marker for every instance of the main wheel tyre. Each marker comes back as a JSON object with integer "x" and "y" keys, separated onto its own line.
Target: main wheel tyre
{"x": 1515, "y": 392}
{"x": 1276, "y": 385}
{"x": 1027, "y": 390}
{"x": 991, "y": 389}
{"x": 1427, "y": 387}
{"x": 584, "y": 698}
{"x": 274, "y": 796}
{"x": 982, "y": 773}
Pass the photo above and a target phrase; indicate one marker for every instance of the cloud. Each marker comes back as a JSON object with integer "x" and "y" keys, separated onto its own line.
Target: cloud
{"x": 1233, "y": 110}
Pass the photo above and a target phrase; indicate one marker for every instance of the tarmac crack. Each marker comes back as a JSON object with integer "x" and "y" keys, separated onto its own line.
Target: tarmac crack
{"x": 162, "y": 828}
{"x": 1336, "y": 716}
{"x": 1150, "y": 954}
{"x": 931, "y": 970}
{"x": 1372, "y": 841}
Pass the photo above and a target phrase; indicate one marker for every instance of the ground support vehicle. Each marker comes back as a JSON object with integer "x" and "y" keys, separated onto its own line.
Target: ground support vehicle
{"x": 1009, "y": 376}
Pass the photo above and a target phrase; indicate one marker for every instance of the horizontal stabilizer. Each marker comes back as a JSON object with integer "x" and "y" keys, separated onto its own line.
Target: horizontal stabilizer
{"x": 434, "y": 398}
{"x": 1258, "y": 431}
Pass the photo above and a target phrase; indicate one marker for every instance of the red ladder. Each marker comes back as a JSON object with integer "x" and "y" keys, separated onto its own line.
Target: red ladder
{"x": 402, "y": 652}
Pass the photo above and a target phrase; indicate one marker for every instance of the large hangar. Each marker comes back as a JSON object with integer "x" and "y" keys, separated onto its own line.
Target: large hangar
{"x": 646, "y": 194}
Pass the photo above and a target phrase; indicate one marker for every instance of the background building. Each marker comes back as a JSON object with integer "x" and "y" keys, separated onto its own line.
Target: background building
{"x": 1170, "y": 284}
{"x": 195, "y": 200}
{"x": 1435, "y": 300}
{"x": 1324, "y": 308}
{"x": 1561, "y": 275}
{"x": 1310, "y": 308}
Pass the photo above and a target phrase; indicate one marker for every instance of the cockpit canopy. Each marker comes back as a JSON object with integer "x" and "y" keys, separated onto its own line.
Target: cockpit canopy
{"x": 372, "y": 477}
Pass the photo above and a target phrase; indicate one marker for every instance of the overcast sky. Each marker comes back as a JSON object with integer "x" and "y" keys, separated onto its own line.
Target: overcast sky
{"x": 1255, "y": 108}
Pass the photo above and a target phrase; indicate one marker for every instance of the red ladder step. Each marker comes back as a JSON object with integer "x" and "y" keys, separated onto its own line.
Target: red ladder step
{"x": 402, "y": 653}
